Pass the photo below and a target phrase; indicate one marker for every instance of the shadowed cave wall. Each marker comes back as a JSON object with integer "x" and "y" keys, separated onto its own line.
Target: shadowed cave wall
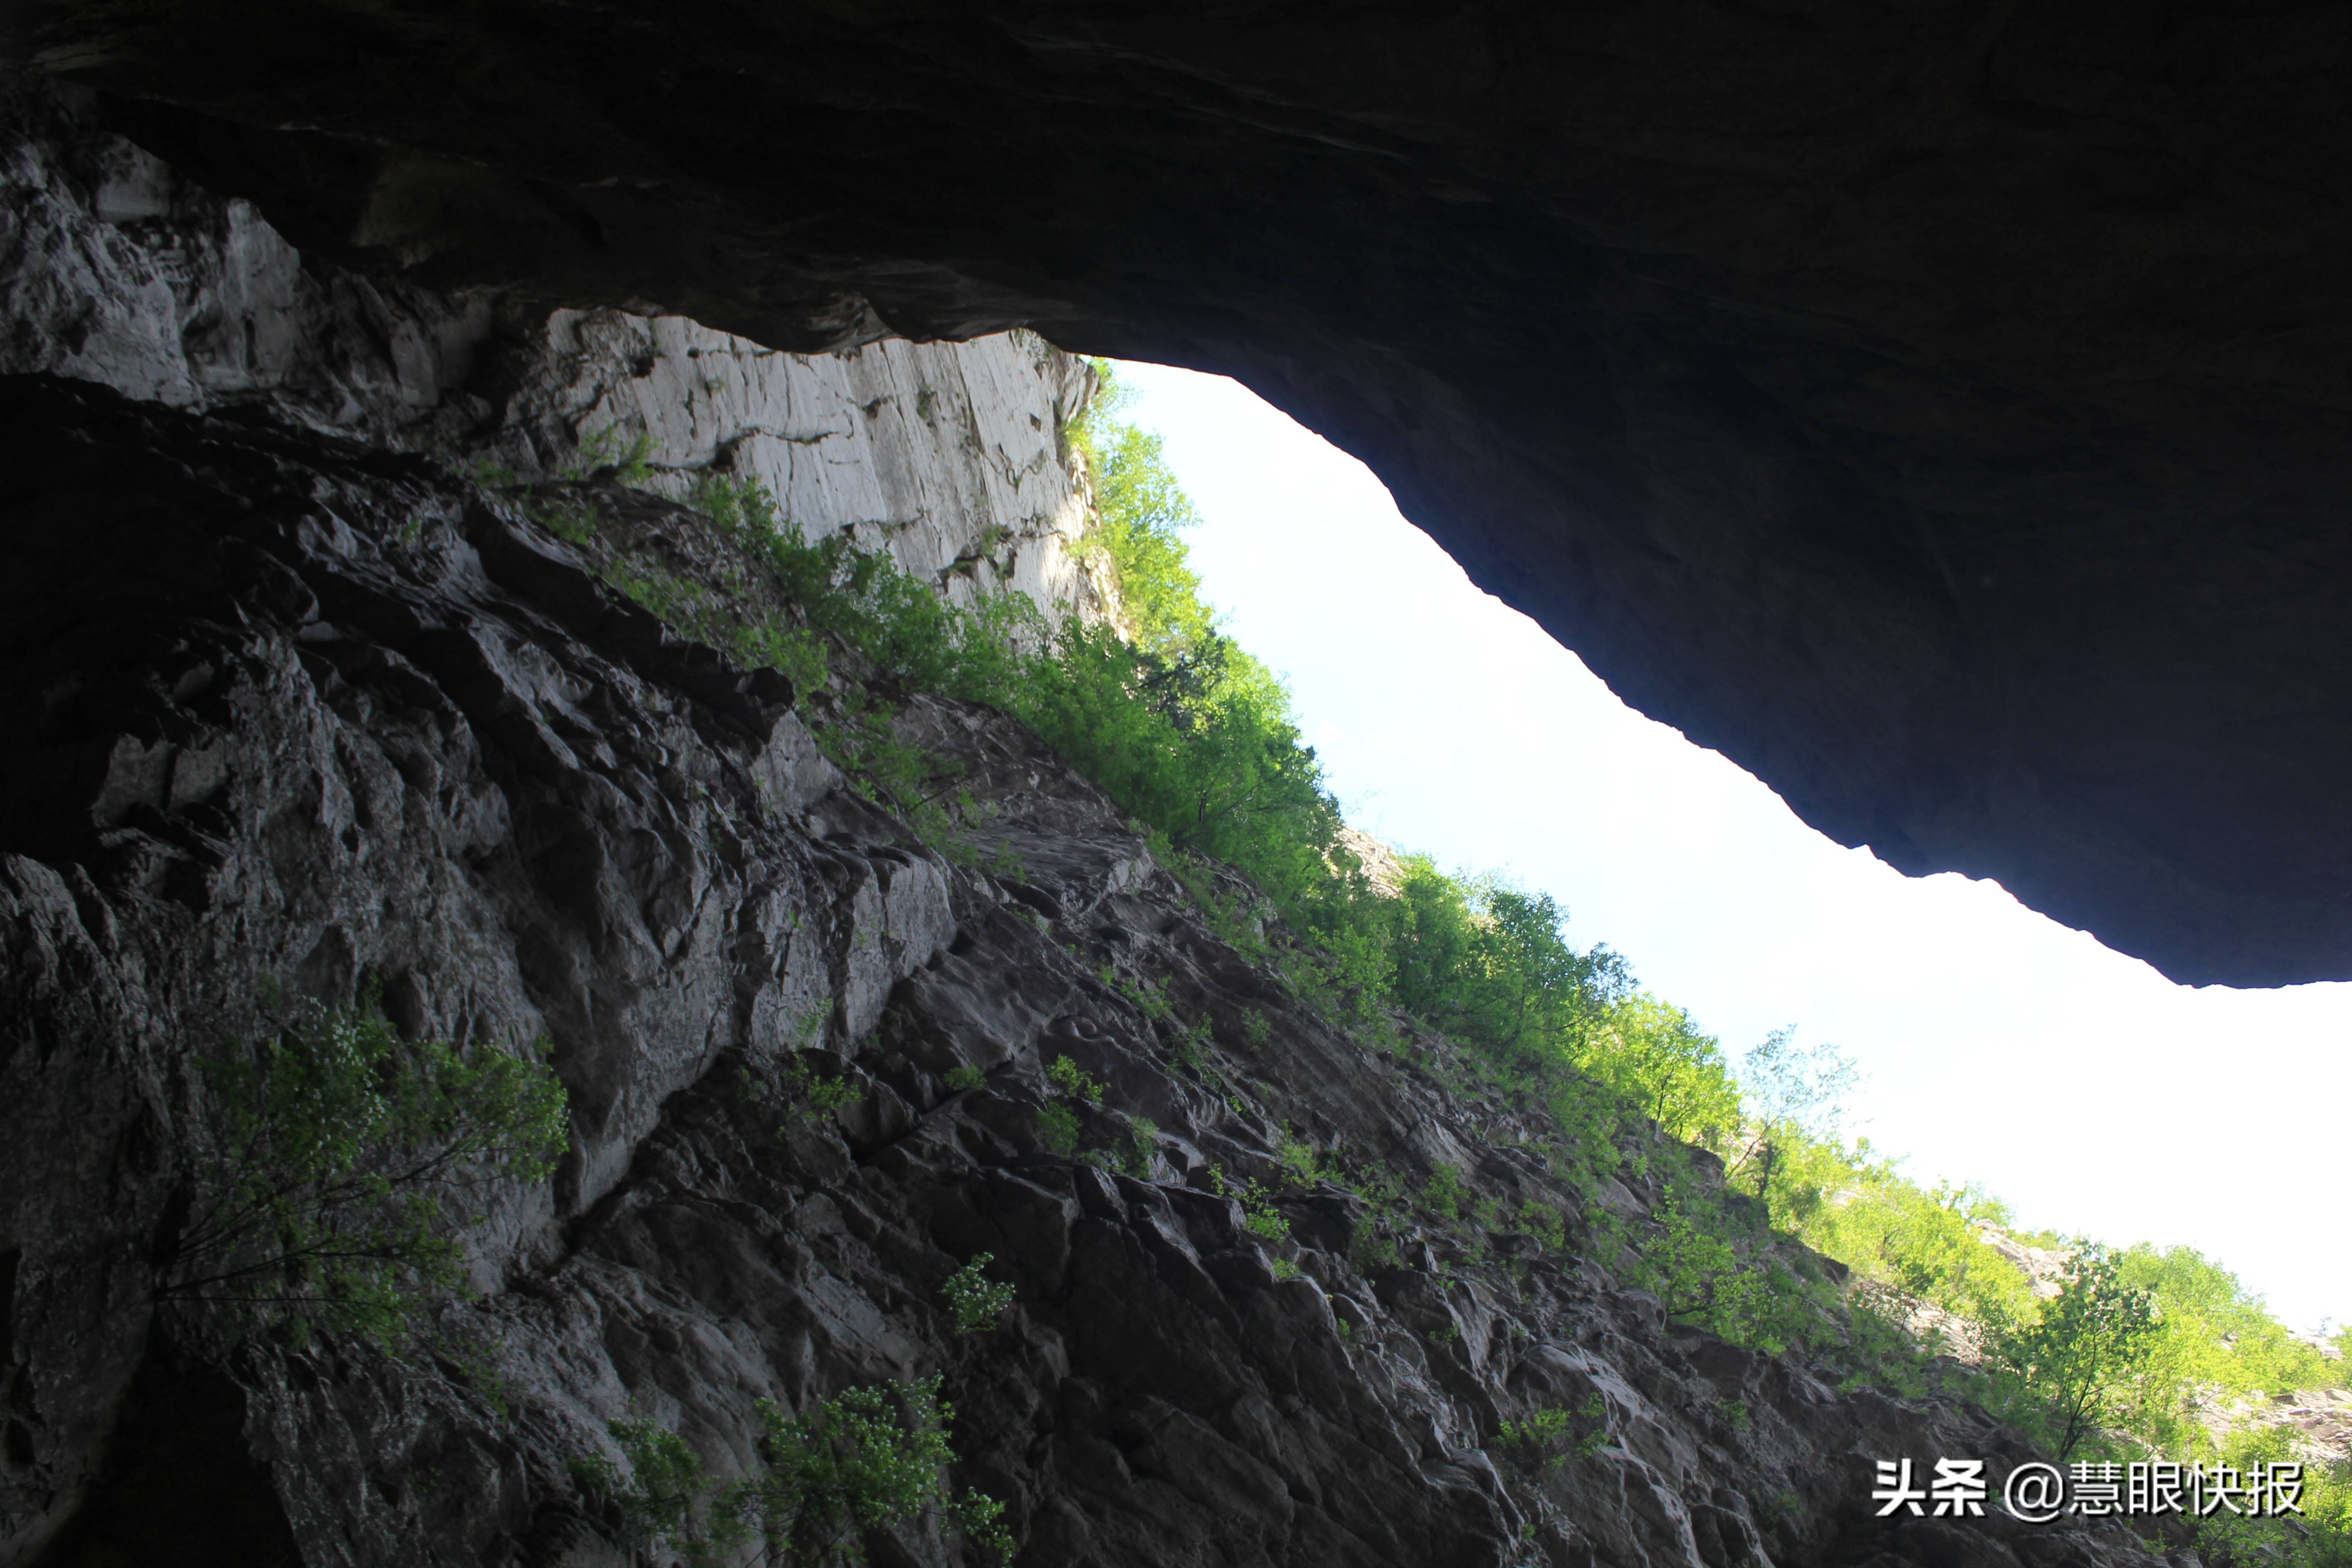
{"x": 1939, "y": 409}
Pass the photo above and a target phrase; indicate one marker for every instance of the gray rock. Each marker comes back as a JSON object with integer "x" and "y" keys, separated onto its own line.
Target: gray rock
{"x": 114, "y": 269}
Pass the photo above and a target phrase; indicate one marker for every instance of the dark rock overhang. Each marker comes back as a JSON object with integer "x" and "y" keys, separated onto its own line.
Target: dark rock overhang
{"x": 1942, "y": 411}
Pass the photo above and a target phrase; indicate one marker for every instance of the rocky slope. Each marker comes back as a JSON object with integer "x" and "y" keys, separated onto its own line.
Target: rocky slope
{"x": 286, "y": 707}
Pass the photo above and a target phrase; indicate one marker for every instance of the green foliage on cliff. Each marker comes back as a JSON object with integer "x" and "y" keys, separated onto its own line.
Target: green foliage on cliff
{"x": 862, "y": 1462}
{"x": 660, "y": 1491}
{"x": 1924, "y": 1241}
{"x": 342, "y": 1153}
{"x": 977, "y": 1302}
{"x": 2083, "y": 1353}
{"x": 1141, "y": 512}
{"x": 2116, "y": 1363}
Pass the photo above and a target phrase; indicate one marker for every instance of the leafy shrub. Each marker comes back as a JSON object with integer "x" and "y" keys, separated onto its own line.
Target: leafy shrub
{"x": 1259, "y": 1216}
{"x": 1545, "y": 1225}
{"x": 1151, "y": 999}
{"x": 1191, "y": 1049}
{"x": 1700, "y": 1275}
{"x": 1443, "y": 1193}
{"x": 1074, "y": 1082}
{"x": 977, "y": 1302}
{"x": 981, "y": 1520}
{"x": 661, "y": 1492}
{"x": 1553, "y": 1430}
{"x": 1142, "y": 1147}
{"x": 964, "y": 1078}
{"x": 868, "y": 1459}
{"x": 340, "y": 1147}
{"x": 1059, "y": 1128}
{"x": 1296, "y": 1159}
{"x": 814, "y": 1098}
{"x": 1538, "y": 1429}
{"x": 632, "y": 459}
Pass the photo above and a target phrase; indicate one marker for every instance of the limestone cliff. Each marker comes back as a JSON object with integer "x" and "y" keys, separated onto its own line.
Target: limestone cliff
{"x": 291, "y": 701}
{"x": 112, "y": 270}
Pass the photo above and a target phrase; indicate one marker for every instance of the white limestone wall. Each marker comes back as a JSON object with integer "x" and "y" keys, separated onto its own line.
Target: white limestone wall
{"x": 948, "y": 454}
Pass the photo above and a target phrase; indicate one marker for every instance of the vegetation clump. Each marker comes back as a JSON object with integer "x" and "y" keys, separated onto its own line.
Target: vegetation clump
{"x": 2080, "y": 1350}
{"x": 868, "y": 1460}
{"x": 342, "y": 1152}
{"x": 1552, "y": 1431}
{"x": 976, "y": 1301}
{"x": 814, "y": 1097}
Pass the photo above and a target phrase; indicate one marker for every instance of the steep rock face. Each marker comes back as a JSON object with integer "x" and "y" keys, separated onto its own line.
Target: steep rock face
{"x": 1939, "y": 409}
{"x": 285, "y": 708}
{"x": 951, "y": 456}
{"x": 116, "y": 270}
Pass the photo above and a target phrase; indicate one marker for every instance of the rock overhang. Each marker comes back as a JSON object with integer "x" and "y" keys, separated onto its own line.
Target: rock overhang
{"x": 1941, "y": 410}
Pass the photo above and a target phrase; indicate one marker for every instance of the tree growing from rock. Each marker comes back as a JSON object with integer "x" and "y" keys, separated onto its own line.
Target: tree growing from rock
{"x": 2088, "y": 1349}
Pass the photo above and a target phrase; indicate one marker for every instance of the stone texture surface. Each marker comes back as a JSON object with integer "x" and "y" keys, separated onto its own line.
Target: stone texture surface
{"x": 284, "y": 706}
{"x": 1940, "y": 409}
{"x": 114, "y": 269}
{"x": 951, "y": 455}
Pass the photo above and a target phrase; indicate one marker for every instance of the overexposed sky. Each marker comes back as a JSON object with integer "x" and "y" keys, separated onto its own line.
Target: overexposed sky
{"x": 1997, "y": 1046}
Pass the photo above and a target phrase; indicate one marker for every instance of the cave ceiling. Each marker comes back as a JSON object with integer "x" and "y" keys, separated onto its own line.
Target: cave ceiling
{"x": 1941, "y": 410}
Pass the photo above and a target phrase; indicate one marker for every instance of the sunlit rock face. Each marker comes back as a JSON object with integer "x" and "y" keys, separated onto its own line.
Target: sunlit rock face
{"x": 1942, "y": 410}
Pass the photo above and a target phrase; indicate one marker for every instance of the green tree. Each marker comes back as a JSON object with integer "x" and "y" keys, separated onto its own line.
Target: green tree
{"x": 1703, "y": 1272}
{"x": 1795, "y": 1097}
{"x": 1656, "y": 1057}
{"x": 2086, "y": 1353}
{"x": 343, "y": 1150}
{"x": 1140, "y": 509}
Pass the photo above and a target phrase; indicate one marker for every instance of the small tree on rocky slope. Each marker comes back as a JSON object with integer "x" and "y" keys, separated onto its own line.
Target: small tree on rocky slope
{"x": 2088, "y": 1348}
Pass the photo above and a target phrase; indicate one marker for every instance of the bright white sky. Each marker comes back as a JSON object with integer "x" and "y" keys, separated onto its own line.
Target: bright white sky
{"x": 2087, "y": 1091}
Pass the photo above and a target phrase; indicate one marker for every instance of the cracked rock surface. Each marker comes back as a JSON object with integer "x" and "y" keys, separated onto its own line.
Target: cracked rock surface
{"x": 282, "y": 706}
